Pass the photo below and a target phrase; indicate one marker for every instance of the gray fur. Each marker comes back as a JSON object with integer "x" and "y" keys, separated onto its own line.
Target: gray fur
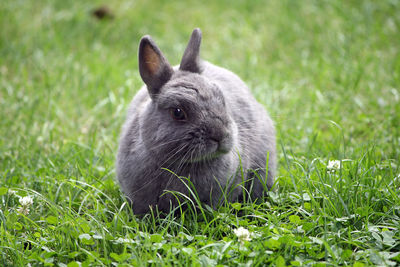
{"x": 154, "y": 74}
{"x": 225, "y": 128}
{"x": 191, "y": 57}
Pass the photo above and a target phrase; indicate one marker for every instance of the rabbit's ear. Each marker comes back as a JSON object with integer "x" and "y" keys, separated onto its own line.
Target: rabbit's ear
{"x": 191, "y": 58}
{"x": 153, "y": 66}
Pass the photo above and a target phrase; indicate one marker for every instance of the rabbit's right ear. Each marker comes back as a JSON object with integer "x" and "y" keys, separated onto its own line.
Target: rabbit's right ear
{"x": 153, "y": 66}
{"x": 191, "y": 58}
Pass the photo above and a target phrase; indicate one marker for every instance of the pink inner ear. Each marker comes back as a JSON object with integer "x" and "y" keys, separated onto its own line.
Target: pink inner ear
{"x": 151, "y": 59}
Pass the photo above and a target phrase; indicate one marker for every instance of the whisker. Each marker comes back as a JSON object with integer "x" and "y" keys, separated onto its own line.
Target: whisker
{"x": 156, "y": 177}
{"x": 166, "y": 143}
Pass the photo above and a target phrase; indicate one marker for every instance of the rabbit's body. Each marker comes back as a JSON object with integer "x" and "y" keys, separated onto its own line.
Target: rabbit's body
{"x": 222, "y": 131}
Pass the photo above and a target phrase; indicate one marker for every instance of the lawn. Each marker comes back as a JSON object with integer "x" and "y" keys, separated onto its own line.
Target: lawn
{"x": 328, "y": 72}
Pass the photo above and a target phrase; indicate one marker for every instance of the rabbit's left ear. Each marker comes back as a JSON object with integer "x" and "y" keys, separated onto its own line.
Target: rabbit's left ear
{"x": 153, "y": 66}
{"x": 191, "y": 58}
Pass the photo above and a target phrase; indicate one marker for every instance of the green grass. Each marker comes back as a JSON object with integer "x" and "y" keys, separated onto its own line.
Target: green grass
{"x": 327, "y": 71}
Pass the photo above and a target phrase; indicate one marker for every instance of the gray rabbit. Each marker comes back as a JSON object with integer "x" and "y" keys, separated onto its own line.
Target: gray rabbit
{"x": 197, "y": 121}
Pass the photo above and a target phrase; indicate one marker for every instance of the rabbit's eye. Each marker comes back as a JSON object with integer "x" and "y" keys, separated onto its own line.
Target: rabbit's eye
{"x": 178, "y": 114}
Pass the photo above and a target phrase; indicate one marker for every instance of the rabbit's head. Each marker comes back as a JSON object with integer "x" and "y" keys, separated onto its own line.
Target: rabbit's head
{"x": 188, "y": 119}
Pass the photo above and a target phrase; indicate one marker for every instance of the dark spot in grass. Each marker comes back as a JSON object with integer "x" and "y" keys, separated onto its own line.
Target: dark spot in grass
{"x": 102, "y": 12}
{"x": 27, "y": 245}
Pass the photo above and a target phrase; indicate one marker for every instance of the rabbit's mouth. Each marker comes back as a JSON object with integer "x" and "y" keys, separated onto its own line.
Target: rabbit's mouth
{"x": 206, "y": 157}
{"x": 214, "y": 150}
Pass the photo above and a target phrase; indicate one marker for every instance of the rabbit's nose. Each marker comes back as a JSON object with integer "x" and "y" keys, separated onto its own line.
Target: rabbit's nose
{"x": 216, "y": 133}
{"x": 221, "y": 139}
{"x": 216, "y": 136}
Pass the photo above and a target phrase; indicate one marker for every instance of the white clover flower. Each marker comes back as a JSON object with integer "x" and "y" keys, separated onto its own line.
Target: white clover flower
{"x": 23, "y": 210}
{"x": 121, "y": 240}
{"x": 26, "y": 201}
{"x": 333, "y": 165}
{"x": 242, "y": 234}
